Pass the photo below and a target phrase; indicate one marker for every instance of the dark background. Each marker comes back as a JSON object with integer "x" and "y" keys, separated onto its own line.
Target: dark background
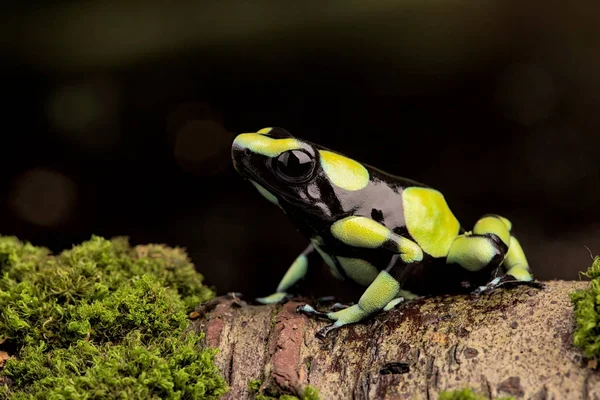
{"x": 119, "y": 116}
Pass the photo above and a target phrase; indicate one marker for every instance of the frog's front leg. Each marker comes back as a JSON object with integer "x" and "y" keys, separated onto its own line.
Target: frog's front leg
{"x": 379, "y": 293}
{"x": 491, "y": 244}
{"x": 295, "y": 272}
{"x": 382, "y": 292}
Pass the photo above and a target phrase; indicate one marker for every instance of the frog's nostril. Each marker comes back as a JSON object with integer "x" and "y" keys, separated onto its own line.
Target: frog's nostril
{"x": 238, "y": 153}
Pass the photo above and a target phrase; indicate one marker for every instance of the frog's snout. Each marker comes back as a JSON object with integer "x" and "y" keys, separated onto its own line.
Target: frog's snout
{"x": 238, "y": 153}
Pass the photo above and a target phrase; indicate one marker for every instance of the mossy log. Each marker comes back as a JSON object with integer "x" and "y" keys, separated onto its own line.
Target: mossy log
{"x": 513, "y": 342}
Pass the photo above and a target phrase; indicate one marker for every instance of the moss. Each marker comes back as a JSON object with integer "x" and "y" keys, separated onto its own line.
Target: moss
{"x": 310, "y": 393}
{"x": 254, "y": 385}
{"x": 586, "y": 303}
{"x": 466, "y": 394}
{"x": 102, "y": 318}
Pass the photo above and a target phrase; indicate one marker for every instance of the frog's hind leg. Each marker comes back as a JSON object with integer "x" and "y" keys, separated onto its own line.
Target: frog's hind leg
{"x": 490, "y": 245}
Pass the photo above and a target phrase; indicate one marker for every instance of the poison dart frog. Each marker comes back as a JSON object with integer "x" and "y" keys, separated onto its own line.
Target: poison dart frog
{"x": 394, "y": 236}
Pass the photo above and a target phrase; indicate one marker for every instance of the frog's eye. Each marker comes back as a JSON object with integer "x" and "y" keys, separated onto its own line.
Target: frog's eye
{"x": 294, "y": 165}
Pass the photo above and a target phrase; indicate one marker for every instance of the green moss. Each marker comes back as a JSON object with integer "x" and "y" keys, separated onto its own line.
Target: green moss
{"x": 310, "y": 393}
{"x": 254, "y": 385}
{"x": 586, "y": 303}
{"x": 466, "y": 394}
{"x": 102, "y": 318}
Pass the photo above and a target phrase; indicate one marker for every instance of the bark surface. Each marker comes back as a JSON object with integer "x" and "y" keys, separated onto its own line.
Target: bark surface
{"x": 512, "y": 342}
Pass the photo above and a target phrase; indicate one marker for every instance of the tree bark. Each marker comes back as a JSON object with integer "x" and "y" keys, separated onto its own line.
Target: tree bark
{"x": 512, "y": 342}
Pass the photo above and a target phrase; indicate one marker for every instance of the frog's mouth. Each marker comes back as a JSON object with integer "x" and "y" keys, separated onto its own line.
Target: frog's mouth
{"x": 237, "y": 157}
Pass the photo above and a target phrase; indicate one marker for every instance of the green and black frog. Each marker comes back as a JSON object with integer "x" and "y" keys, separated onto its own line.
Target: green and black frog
{"x": 394, "y": 236}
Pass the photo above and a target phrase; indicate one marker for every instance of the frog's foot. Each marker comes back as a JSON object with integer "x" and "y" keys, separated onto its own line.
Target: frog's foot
{"x": 343, "y": 317}
{"x": 323, "y": 332}
{"x": 381, "y": 292}
{"x": 491, "y": 245}
{"x": 505, "y": 280}
{"x": 275, "y": 298}
{"x": 491, "y": 285}
{"x": 403, "y": 297}
{"x": 394, "y": 303}
{"x": 346, "y": 316}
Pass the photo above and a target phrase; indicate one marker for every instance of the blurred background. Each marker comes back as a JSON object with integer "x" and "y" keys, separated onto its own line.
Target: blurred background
{"x": 119, "y": 116}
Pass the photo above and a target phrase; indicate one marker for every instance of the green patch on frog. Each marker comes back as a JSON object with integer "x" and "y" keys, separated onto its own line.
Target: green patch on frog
{"x": 310, "y": 393}
{"x": 102, "y": 320}
{"x": 586, "y": 303}
{"x": 466, "y": 394}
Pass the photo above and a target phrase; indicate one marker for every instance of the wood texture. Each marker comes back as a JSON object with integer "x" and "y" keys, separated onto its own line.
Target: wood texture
{"x": 512, "y": 342}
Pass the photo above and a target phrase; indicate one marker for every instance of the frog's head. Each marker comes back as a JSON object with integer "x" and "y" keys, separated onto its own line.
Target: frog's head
{"x": 275, "y": 162}
{"x": 297, "y": 172}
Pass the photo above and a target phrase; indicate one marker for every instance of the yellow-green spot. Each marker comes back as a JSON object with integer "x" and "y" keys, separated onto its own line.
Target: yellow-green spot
{"x": 360, "y": 232}
{"x": 515, "y": 260}
{"x": 383, "y": 289}
{"x": 429, "y": 220}
{"x": 296, "y": 272}
{"x": 265, "y": 193}
{"x": 264, "y": 145}
{"x": 360, "y": 271}
{"x": 472, "y": 252}
{"x": 410, "y": 252}
{"x": 264, "y": 131}
{"x": 522, "y": 274}
{"x": 492, "y": 225}
{"x": 348, "y": 315}
{"x": 344, "y": 172}
{"x": 506, "y": 222}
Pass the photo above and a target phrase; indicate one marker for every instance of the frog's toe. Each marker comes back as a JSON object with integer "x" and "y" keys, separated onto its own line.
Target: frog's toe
{"x": 338, "y": 306}
{"x": 510, "y": 281}
{"x": 507, "y": 281}
{"x": 275, "y": 298}
{"x": 394, "y": 303}
{"x": 323, "y": 332}
{"x": 490, "y": 286}
{"x": 480, "y": 290}
{"x": 310, "y": 311}
{"x": 536, "y": 284}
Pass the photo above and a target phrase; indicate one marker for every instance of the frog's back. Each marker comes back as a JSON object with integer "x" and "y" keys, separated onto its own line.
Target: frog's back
{"x": 408, "y": 206}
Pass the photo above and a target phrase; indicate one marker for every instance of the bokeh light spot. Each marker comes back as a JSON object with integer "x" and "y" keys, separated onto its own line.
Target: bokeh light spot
{"x": 187, "y": 112}
{"x": 203, "y": 147}
{"x": 85, "y": 113}
{"x": 43, "y": 197}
